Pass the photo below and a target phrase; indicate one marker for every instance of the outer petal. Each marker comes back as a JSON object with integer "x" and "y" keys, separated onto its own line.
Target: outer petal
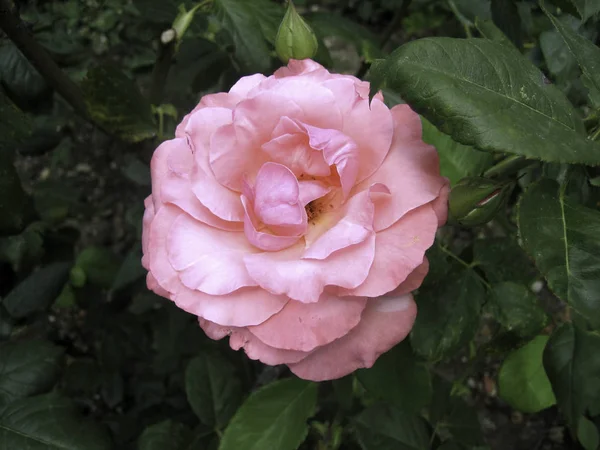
{"x": 411, "y": 172}
{"x": 246, "y": 306}
{"x": 146, "y": 224}
{"x": 305, "y": 326}
{"x": 385, "y": 322}
{"x": 412, "y": 282}
{"x": 399, "y": 250}
{"x": 440, "y": 204}
{"x": 207, "y": 259}
{"x": 298, "y": 67}
{"x": 245, "y": 85}
{"x": 254, "y": 347}
{"x": 304, "y": 279}
{"x": 221, "y": 201}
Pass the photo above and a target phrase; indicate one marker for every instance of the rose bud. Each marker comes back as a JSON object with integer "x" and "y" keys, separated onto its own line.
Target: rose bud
{"x": 295, "y": 39}
{"x": 475, "y": 201}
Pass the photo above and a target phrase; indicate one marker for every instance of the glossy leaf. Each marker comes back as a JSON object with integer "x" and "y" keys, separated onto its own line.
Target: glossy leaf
{"x": 250, "y": 45}
{"x": 501, "y": 259}
{"x": 386, "y": 427}
{"x": 48, "y": 422}
{"x": 562, "y": 237}
{"x": 115, "y": 101}
{"x": 457, "y": 161}
{"x": 517, "y": 309}
{"x": 166, "y": 435}
{"x": 523, "y": 383}
{"x": 448, "y": 315}
{"x": 273, "y": 417}
{"x": 27, "y": 368}
{"x": 585, "y": 52}
{"x": 486, "y": 94}
{"x": 213, "y": 390}
{"x": 37, "y": 291}
{"x": 572, "y": 362}
{"x": 18, "y": 75}
{"x": 399, "y": 378}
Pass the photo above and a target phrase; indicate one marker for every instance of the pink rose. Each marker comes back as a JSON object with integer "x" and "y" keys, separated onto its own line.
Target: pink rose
{"x": 293, "y": 217}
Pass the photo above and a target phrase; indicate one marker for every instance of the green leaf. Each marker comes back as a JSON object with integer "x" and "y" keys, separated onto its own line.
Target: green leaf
{"x": 505, "y": 15}
{"x": 27, "y": 368}
{"x": 386, "y": 427}
{"x": 501, "y": 259}
{"x": 587, "y": 434}
{"x": 48, "y": 422}
{"x": 490, "y": 31}
{"x": 114, "y": 101}
{"x": 130, "y": 271}
{"x": 398, "y": 377}
{"x": 448, "y": 315}
{"x": 14, "y": 205}
{"x": 582, "y": 8}
{"x": 54, "y": 200}
{"x": 213, "y": 390}
{"x": 334, "y": 25}
{"x": 517, "y": 309}
{"x": 562, "y": 237}
{"x": 451, "y": 415}
{"x": 250, "y": 45}
{"x": 166, "y": 435}
{"x": 457, "y": 161}
{"x": 523, "y": 383}
{"x": 272, "y": 417}
{"x": 15, "y": 125}
{"x": 268, "y": 14}
{"x": 37, "y": 291}
{"x": 572, "y": 362}
{"x": 99, "y": 264}
{"x": 17, "y": 74}
{"x": 505, "y": 105}
{"x": 584, "y": 51}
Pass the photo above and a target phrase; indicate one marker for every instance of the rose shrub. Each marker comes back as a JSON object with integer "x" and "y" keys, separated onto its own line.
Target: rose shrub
{"x": 293, "y": 217}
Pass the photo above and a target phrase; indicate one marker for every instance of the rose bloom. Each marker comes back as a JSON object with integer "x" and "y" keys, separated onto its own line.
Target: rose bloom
{"x": 293, "y": 217}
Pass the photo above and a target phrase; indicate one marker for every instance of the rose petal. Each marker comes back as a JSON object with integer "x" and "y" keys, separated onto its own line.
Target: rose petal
{"x": 254, "y": 347}
{"x": 399, "y": 250}
{"x": 286, "y": 273}
{"x": 410, "y": 171}
{"x": 384, "y": 323}
{"x": 312, "y": 190}
{"x": 245, "y": 85}
{"x": 297, "y": 67}
{"x": 412, "y": 282}
{"x": 207, "y": 259}
{"x": 440, "y": 204}
{"x": 305, "y": 326}
{"x": 264, "y": 241}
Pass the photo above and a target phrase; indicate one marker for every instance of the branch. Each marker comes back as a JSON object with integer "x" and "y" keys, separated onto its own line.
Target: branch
{"x": 17, "y": 32}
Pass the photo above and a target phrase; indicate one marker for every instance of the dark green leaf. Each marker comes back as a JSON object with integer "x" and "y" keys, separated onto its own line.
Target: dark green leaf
{"x": 114, "y": 101}
{"x": 505, "y": 15}
{"x": 272, "y": 417}
{"x": 448, "y": 315}
{"x": 27, "y": 368}
{"x": 505, "y": 105}
{"x": 99, "y": 264}
{"x": 250, "y": 45}
{"x": 37, "y": 291}
{"x": 25, "y": 249}
{"x": 572, "y": 362}
{"x": 523, "y": 383}
{"x": 167, "y": 435}
{"x": 54, "y": 200}
{"x": 582, "y": 8}
{"x": 335, "y": 25}
{"x": 516, "y": 308}
{"x": 398, "y": 377}
{"x": 268, "y": 14}
{"x": 385, "y": 427}
{"x": 15, "y": 125}
{"x": 562, "y": 237}
{"x": 587, "y": 434}
{"x": 490, "y": 31}
{"x": 583, "y": 50}
{"x": 457, "y": 161}
{"x": 130, "y": 271}
{"x": 136, "y": 170}
{"x": 213, "y": 390}
{"x": 48, "y": 422}
{"x": 559, "y": 60}
{"x": 13, "y": 200}
{"x": 502, "y": 259}
{"x": 17, "y": 74}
